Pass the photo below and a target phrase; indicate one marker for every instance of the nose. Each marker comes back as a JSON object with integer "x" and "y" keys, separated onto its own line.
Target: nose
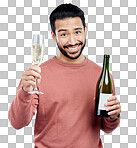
{"x": 72, "y": 40}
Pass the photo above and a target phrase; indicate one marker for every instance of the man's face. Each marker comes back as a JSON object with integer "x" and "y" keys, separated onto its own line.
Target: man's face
{"x": 70, "y": 36}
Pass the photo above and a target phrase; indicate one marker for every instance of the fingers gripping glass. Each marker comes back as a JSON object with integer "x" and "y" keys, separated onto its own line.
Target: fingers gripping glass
{"x": 38, "y": 46}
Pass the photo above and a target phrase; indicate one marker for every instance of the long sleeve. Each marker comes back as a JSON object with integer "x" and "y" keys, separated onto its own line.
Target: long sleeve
{"x": 22, "y": 108}
{"x": 109, "y": 125}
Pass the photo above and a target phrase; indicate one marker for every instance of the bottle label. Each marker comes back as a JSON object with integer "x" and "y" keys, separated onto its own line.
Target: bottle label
{"x": 103, "y": 100}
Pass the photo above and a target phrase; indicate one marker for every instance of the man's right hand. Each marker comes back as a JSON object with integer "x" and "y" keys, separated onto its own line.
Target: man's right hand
{"x": 29, "y": 78}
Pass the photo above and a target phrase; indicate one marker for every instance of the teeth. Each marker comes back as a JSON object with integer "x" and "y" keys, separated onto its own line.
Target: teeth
{"x": 73, "y": 48}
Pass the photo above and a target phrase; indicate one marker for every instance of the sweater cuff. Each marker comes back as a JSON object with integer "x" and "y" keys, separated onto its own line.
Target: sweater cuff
{"x": 24, "y": 96}
{"x": 113, "y": 120}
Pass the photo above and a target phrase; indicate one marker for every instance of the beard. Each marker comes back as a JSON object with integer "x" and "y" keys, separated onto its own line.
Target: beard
{"x": 66, "y": 54}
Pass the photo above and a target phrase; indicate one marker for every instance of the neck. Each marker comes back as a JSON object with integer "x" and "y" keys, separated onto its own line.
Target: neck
{"x": 62, "y": 58}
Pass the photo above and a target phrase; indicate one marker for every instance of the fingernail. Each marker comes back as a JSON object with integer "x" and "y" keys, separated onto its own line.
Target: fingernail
{"x": 109, "y": 113}
{"x": 109, "y": 99}
{"x": 107, "y": 109}
{"x": 105, "y": 104}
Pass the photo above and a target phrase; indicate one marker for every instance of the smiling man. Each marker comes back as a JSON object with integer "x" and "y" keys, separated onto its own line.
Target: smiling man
{"x": 70, "y": 36}
{"x": 66, "y": 111}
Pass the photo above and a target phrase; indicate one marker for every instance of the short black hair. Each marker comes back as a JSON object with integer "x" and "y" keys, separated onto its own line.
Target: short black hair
{"x": 66, "y": 11}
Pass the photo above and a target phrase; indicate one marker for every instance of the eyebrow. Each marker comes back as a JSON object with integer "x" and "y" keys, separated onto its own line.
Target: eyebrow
{"x": 67, "y": 29}
{"x": 62, "y": 30}
{"x": 77, "y": 28}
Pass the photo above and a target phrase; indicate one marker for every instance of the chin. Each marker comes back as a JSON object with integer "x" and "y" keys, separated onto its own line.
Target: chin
{"x": 75, "y": 56}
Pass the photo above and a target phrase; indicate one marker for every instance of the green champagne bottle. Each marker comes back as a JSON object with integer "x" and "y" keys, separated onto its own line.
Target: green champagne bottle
{"x": 104, "y": 90}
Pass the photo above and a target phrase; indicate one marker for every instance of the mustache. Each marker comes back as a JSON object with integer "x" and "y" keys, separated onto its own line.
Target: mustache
{"x": 66, "y": 46}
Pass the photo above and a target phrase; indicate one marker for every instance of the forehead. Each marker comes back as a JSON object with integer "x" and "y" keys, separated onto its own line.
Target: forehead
{"x": 68, "y": 23}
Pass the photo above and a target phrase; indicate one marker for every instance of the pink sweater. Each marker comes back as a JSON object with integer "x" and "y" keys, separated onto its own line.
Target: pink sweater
{"x": 65, "y": 113}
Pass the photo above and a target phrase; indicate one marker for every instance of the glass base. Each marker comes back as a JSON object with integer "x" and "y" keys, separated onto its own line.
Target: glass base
{"x": 35, "y": 92}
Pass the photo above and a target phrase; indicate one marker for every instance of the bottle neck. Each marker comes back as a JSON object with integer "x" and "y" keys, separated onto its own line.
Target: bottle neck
{"x": 106, "y": 64}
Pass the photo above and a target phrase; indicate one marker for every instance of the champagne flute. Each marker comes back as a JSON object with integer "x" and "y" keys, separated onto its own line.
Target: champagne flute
{"x": 38, "y": 46}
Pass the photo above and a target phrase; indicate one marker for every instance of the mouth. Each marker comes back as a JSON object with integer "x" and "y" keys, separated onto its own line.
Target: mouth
{"x": 73, "y": 48}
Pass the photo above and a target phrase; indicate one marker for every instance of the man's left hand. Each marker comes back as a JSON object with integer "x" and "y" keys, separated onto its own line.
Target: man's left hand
{"x": 113, "y": 106}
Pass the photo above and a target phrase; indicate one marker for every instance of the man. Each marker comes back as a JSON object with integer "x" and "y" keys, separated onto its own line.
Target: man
{"x": 65, "y": 112}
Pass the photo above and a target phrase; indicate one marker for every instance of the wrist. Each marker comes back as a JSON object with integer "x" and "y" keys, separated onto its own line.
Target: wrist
{"x": 115, "y": 117}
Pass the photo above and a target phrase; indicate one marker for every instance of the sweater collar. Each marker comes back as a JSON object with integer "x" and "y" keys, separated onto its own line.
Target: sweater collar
{"x": 70, "y": 64}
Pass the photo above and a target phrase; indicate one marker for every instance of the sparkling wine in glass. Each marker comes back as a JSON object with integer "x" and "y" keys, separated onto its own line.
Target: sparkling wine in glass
{"x": 38, "y": 46}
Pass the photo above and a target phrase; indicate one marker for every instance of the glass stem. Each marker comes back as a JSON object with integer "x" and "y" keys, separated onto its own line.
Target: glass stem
{"x": 36, "y": 84}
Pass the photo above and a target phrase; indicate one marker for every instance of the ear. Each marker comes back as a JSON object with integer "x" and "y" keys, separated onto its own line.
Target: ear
{"x": 86, "y": 30}
{"x": 53, "y": 36}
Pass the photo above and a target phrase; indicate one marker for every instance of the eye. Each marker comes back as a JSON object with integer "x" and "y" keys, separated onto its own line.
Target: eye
{"x": 63, "y": 34}
{"x": 78, "y": 32}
